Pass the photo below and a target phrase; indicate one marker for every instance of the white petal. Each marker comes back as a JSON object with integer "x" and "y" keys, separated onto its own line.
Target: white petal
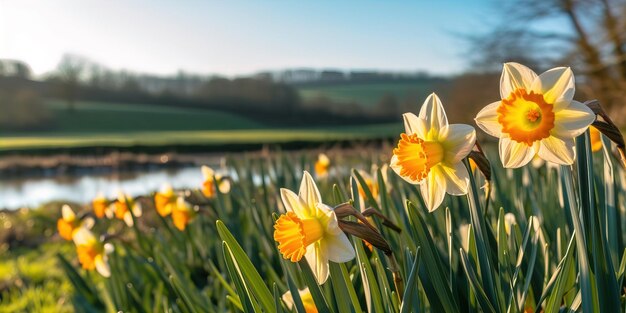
{"x": 318, "y": 261}
{"x": 433, "y": 190}
{"x": 572, "y": 120}
{"x": 397, "y": 168}
{"x": 433, "y": 114}
{"x": 137, "y": 209}
{"x": 88, "y": 222}
{"x": 515, "y": 154}
{"x": 224, "y": 186}
{"x": 288, "y": 299}
{"x": 556, "y": 150}
{"x": 83, "y": 236}
{"x": 515, "y": 76}
{"x": 487, "y": 119}
{"x": 556, "y": 85}
{"x": 414, "y": 125}
{"x": 457, "y": 179}
{"x": 336, "y": 243}
{"x": 339, "y": 248}
{"x": 207, "y": 172}
{"x": 294, "y": 204}
{"x": 128, "y": 219}
{"x": 309, "y": 192}
{"x": 108, "y": 248}
{"x": 67, "y": 213}
{"x": 102, "y": 266}
{"x": 459, "y": 140}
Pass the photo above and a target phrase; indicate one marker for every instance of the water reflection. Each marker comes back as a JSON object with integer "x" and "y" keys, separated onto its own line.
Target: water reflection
{"x": 17, "y": 193}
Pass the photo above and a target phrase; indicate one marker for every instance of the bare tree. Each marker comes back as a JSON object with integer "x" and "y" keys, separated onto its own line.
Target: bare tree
{"x": 70, "y": 71}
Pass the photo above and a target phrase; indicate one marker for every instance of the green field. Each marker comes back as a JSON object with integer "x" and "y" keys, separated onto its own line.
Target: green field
{"x": 209, "y": 137}
{"x": 367, "y": 94}
{"x": 120, "y": 117}
{"x": 110, "y": 124}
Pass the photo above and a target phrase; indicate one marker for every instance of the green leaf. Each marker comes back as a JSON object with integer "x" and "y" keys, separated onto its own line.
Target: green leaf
{"x": 410, "y": 292}
{"x": 253, "y": 278}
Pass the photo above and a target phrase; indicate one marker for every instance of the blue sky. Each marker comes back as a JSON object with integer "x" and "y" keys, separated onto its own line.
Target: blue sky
{"x": 241, "y": 37}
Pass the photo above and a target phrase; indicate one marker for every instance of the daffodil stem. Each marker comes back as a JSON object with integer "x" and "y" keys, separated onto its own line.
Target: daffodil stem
{"x": 397, "y": 278}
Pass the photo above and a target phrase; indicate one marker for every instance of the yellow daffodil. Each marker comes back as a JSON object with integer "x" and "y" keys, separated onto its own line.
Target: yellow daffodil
{"x": 182, "y": 214}
{"x": 69, "y": 223}
{"x": 537, "y": 115}
{"x": 509, "y": 222}
{"x": 322, "y": 165}
{"x": 210, "y": 176}
{"x": 596, "y": 139}
{"x": 164, "y": 200}
{"x": 310, "y": 229}
{"x": 305, "y": 296}
{"x": 429, "y": 154}
{"x": 100, "y": 206}
{"x": 92, "y": 253}
{"x": 371, "y": 180}
{"x": 121, "y": 208}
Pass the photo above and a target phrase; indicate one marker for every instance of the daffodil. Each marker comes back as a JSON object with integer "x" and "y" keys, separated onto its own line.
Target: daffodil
{"x": 100, "y": 205}
{"x": 182, "y": 213}
{"x": 596, "y": 139}
{"x": 122, "y": 208}
{"x": 69, "y": 223}
{"x": 164, "y": 200}
{"x": 92, "y": 253}
{"x": 537, "y": 115}
{"x": 371, "y": 180}
{"x": 210, "y": 177}
{"x": 322, "y": 165}
{"x": 430, "y": 152}
{"x": 310, "y": 229}
{"x": 305, "y": 296}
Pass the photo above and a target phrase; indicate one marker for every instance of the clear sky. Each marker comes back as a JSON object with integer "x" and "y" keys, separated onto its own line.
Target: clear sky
{"x": 241, "y": 37}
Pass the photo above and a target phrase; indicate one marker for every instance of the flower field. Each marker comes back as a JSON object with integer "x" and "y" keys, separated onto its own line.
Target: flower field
{"x": 434, "y": 223}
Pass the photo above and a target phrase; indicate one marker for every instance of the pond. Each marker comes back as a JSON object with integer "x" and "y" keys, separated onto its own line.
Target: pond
{"x": 16, "y": 193}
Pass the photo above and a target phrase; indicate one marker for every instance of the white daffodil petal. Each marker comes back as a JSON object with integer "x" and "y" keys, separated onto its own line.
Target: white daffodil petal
{"x": 556, "y": 85}
{"x": 515, "y": 76}
{"x": 458, "y": 143}
{"x": 294, "y": 204}
{"x": 128, "y": 219}
{"x": 309, "y": 192}
{"x": 457, "y": 179}
{"x": 88, "y": 222}
{"x": 67, "y": 213}
{"x": 83, "y": 236}
{"x": 137, "y": 209}
{"x": 433, "y": 190}
{"x": 339, "y": 248}
{"x": 398, "y": 169}
{"x": 557, "y": 150}
{"x": 108, "y": 248}
{"x": 102, "y": 266}
{"x": 207, "y": 172}
{"x": 573, "y": 120}
{"x": 487, "y": 119}
{"x": 414, "y": 125}
{"x": 224, "y": 186}
{"x": 433, "y": 114}
{"x": 515, "y": 154}
{"x": 318, "y": 261}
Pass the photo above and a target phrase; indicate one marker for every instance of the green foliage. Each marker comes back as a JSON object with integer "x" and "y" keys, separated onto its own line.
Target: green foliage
{"x": 534, "y": 252}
